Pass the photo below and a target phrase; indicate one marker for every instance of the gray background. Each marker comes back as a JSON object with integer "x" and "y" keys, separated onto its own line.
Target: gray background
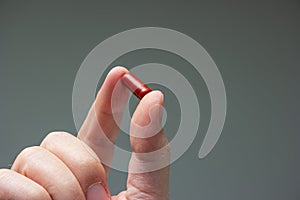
{"x": 256, "y": 46}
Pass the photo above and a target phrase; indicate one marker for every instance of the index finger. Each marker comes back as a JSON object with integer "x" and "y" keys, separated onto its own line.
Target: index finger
{"x": 100, "y": 128}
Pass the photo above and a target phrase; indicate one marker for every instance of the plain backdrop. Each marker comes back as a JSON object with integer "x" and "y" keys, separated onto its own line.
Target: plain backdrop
{"x": 255, "y": 44}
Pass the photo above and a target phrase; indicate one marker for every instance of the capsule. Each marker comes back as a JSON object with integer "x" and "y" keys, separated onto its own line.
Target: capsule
{"x": 135, "y": 85}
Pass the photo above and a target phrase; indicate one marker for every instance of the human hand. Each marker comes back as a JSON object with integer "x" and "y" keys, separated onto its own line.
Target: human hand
{"x": 64, "y": 167}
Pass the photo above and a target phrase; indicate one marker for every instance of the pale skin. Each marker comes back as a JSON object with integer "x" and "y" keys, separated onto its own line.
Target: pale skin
{"x": 65, "y": 167}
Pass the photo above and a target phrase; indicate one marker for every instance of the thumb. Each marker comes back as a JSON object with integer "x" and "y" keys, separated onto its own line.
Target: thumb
{"x": 148, "y": 176}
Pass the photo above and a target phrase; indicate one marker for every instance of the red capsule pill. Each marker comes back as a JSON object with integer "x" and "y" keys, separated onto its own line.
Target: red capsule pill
{"x": 135, "y": 85}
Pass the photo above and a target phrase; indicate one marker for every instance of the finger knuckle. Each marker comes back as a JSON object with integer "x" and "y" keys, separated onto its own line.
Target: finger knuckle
{"x": 29, "y": 152}
{"x": 34, "y": 193}
{"x": 3, "y": 178}
{"x": 4, "y": 173}
{"x": 53, "y": 136}
{"x": 26, "y": 158}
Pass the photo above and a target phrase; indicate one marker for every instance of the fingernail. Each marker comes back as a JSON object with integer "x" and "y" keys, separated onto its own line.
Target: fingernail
{"x": 96, "y": 192}
{"x": 156, "y": 114}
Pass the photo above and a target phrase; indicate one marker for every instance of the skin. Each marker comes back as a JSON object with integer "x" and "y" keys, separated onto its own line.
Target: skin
{"x": 65, "y": 167}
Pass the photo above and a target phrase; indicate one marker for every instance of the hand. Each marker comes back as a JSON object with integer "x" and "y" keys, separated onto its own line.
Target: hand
{"x": 64, "y": 167}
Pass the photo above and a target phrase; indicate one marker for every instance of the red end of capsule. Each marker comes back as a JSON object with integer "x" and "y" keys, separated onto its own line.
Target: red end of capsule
{"x": 135, "y": 85}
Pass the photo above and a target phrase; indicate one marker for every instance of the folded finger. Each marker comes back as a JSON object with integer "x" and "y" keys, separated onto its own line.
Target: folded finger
{"x": 18, "y": 187}
{"x": 79, "y": 158}
{"x": 47, "y": 170}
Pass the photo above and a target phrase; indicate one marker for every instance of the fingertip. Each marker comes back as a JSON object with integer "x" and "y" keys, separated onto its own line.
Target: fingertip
{"x": 158, "y": 95}
{"x": 117, "y": 70}
{"x": 141, "y": 115}
{"x": 152, "y": 98}
{"x": 112, "y": 86}
{"x": 112, "y": 78}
